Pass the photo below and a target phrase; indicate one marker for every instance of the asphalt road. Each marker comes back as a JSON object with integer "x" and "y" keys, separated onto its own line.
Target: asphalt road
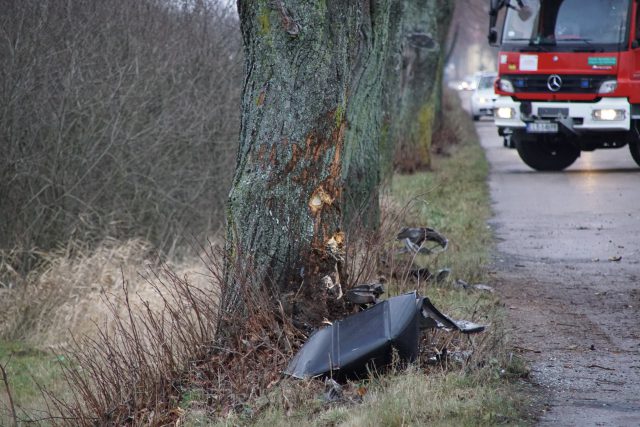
{"x": 567, "y": 267}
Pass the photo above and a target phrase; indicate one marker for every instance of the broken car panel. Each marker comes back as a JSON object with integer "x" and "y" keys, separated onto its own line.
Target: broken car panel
{"x": 366, "y": 340}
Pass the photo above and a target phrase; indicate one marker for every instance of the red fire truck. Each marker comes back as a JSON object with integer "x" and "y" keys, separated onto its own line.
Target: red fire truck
{"x": 569, "y": 77}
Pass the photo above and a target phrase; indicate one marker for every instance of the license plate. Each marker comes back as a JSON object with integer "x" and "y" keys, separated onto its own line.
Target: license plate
{"x": 542, "y": 127}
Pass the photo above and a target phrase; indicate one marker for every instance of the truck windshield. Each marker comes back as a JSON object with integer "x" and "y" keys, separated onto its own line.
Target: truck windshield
{"x": 567, "y": 25}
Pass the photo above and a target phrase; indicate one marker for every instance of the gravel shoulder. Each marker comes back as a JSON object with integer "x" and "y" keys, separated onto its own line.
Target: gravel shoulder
{"x": 567, "y": 267}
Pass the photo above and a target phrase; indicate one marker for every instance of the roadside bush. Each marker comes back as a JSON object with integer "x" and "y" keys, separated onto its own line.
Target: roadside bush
{"x": 119, "y": 119}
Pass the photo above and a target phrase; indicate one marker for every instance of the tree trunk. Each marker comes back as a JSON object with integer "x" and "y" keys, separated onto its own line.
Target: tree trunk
{"x": 313, "y": 132}
{"x": 364, "y": 145}
{"x": 425, "y": 24}
{"x": 310, "y": 122}
{"x": 391, "y": 98}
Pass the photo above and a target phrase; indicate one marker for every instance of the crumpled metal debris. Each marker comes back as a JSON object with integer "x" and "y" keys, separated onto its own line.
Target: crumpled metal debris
{"x": 479, "y": 287}
{"x": 432, "y": 318}
{"x": 442, "y": 275}
{"x": 367, "y": 340}
{"x": 415, "y": 239}
{"x": 365, "y": 294}
{"x": 423, "y": 273}
{"x": 333, "y": 391}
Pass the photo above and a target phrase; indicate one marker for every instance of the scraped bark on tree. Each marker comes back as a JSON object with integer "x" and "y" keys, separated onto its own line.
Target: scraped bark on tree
{"x": 310, "y": 123}
{"x": 316, "y": 121}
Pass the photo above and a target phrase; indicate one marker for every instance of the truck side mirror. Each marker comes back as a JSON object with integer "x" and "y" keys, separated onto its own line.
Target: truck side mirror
{"x": 493, "y": 37}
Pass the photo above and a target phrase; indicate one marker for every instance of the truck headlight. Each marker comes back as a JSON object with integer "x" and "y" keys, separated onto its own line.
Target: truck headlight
{"x": 505, "y": 113}
{"x": 608, "y": 86}
{"x": 505, "y": 86}
{"x": 608, "y": 114}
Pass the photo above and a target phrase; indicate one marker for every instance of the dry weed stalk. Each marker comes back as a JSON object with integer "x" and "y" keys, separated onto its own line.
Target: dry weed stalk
{"x": 372, "y": 254}
{"x": 138, "y": 366}
{"x": 12, "y": 407}
{"x": 128, "y": 372}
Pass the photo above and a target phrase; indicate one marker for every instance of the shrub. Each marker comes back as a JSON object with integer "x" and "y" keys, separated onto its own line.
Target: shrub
{"x": 119, "y": 118}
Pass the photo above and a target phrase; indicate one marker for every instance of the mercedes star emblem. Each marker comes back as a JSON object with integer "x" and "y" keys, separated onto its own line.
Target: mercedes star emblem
{"x": 554, "y": 82}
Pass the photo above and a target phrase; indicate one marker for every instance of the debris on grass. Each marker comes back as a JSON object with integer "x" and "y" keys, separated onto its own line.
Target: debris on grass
{"x": 423, "y": 274}
{"x": 367, "y": 341}
{"x": 333, "y": 390}
{"x": 415, "y": 239}
{"x": 461, "y": 284}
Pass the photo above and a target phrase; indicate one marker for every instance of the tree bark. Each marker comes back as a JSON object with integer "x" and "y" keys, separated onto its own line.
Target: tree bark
{"x": 424, "y": 29}
{"x": 391, "y": 97}
{"x": 364, "y": 145}
{"x": 305, "y": 63}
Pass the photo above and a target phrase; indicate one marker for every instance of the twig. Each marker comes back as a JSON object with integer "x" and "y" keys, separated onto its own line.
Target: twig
{"x": 517, "y": 347}
{"x": 11, "y": 404}
{"x": 601, "y": 367}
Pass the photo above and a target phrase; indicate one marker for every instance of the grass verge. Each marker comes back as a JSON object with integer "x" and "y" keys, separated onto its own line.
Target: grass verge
{"x": 28, "y": 370}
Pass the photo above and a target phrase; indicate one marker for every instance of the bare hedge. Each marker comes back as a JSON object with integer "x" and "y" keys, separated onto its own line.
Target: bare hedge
{"x": 118, "y": 118}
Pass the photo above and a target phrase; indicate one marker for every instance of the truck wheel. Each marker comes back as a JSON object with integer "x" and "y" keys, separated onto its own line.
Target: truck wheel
{"x": 634, "y": 147}
{"x": 546, "y": 155}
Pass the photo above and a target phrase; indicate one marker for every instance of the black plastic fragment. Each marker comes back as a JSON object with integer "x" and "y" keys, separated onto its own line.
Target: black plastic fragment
{"x": 421, "y": 273}
{"x": 365, "y": 294}
{"x": 365, "y": 341}
{"x": 433, "y": 318}
{"x": 362, "y": 341}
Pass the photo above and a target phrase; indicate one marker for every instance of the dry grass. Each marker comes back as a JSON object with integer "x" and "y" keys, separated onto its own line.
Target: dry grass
{"x": 79, "y": 295}
{"x": 147, "y": 344}
{"x": 71, "y": 296}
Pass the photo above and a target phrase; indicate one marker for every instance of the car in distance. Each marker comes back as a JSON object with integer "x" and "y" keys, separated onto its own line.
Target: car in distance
{"x": 484, "y": 97}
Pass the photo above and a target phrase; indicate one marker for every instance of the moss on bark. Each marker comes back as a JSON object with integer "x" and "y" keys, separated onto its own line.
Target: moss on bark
{"x": 424, "y": 27}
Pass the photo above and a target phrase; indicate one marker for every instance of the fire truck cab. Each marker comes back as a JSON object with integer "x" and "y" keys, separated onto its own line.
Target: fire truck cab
{"x": 569, "y": 77}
